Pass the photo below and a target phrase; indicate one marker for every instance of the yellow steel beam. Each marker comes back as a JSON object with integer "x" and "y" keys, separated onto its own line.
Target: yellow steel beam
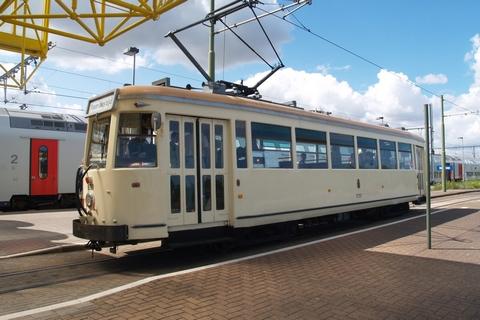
{"x": 25, "y": 31}
{"x": 134, "y": 14}
{"x": 11, "y": 43}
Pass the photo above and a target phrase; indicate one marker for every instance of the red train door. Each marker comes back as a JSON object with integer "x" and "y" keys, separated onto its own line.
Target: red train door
{"x": 43, "y": 167}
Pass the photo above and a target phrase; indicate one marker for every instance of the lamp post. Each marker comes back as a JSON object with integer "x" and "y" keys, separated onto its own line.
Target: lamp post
{"x": 463, "y": 163}
{"x": 380, "y": 118}
{"x": 132, "y": 51}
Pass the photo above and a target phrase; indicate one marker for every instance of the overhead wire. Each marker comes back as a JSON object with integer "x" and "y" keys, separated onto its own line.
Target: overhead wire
{"x": 140, "y": 67}
{"x": 301, "y": 26}
{"x": 44, "y": 106}
{"x": 81, "y": 75}
{"x": 52, "y": 94}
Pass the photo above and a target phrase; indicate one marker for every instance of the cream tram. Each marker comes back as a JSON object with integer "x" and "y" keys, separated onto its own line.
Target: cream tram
{"x": 161, "y": 162}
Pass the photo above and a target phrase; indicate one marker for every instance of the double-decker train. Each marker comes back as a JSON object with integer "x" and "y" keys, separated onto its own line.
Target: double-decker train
{"x": 169, "y": 163}
{"x": 456, "y": 169}
{"x": 40, "y": 152}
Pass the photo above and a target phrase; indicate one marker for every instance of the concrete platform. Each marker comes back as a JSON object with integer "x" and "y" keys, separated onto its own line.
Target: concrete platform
{"x": 381, "y": 273}
{"x": 36, "y": 231}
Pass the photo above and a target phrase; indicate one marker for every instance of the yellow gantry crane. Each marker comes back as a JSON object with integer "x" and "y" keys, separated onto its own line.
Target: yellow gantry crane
{"x": 26, "y": 24}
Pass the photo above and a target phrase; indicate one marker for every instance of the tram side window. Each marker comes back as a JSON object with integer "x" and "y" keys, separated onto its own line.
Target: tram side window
{"x": 272, "y": 146}
{"x": 405, "y": 156}
{"x": 99, "y": 142}
{"x": 136, "y": 143}
{"x": 174, "y": 134}
{"x": 388, "y": 154}
{"x": 241, "y": 143}
{"x": 367, "y": 153}
{"x": 311, "y": 147}
{"x": 343, "y": 151}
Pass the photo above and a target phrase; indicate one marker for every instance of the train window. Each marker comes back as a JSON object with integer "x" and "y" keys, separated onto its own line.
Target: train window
{"x": 219, "y": 194}
{"x": 205, "y": 133}
{"x": 367, "y": 153}
{"x": 189, "y": 145}
{"x": 272, "y": 146}
{"x": 218, "y": 146}
{"x": 241, "y": 143}
{"x": 311, "y": 147}
{"x": 405, "y": 156}
{"x": 388, "y": 154}
{"x": 190, "y": 193}
{"x": 59, "y": 125}
{"x": 36, "y": 123}
{"x": 174, "y": 127}
{"x": 80, "y": 127}
{"x": 207, "y": 192}
{"x": 43, "y": 162}
{"x": 99, "y": 142}
{"x": 175, "y": 194}
{"x": 136, "y": 143}
{"x": 342, "y": 151}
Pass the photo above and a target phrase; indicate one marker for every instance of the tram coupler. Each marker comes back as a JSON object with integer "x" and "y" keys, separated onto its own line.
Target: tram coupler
{"x": 113, "y": 250}
{"x": 93, "y": 245}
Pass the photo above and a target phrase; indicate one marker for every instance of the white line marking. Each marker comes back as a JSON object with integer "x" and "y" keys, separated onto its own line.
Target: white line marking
{"x": 214, "y": 265}
{"x": 44, "y": 250}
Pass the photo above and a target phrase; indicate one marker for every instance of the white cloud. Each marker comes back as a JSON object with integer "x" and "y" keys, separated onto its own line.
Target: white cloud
{"x": 431, "y": 78}
{"x": 392, "y": 97}
{"x": 41, "y": 98}
{"x": 473, "y": 57}
{"x": 326, "y": 69}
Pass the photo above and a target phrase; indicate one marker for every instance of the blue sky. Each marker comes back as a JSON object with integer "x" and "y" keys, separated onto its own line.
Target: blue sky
{"x": 411, "y": 39}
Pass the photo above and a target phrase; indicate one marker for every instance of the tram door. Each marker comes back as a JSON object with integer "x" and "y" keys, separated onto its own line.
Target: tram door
{"x": 212, "y": 170}
{"x": 196, "y": 170}
{"x": 43, "y": 167}
{"x": 419, "y": 166}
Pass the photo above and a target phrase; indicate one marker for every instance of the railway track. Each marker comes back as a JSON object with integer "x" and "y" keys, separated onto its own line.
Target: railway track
{"x": 158, "y": 261}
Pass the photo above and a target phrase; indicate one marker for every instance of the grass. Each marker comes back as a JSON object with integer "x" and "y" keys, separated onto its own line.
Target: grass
{"x": 471, "y": 184}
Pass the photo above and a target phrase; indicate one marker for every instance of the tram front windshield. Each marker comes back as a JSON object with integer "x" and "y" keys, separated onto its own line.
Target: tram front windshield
{"x": 97, "y": 154}
{"x": 136, "y": 141}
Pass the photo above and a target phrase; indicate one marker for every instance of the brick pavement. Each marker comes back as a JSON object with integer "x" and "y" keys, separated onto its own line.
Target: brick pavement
{"x": 380, "y": 274}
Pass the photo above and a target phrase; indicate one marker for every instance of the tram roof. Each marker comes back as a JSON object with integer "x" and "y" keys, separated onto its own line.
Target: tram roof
{"x": 207, "y": 97}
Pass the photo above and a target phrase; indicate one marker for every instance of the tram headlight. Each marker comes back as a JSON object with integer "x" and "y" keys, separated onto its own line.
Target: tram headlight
{"x": 90, "y": 199}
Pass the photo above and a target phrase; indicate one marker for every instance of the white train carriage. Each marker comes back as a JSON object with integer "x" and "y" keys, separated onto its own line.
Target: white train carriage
{"x": 40, "y": 153}
{"x": 163, "y": 162}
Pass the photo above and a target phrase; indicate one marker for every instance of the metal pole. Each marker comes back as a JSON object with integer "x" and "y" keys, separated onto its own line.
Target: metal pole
{"x": 444, "y": 157}
{"x": 463, "y": 165}
{"x": 5, "y": 91}
{"x": 427, "y": 180}
{"x": 432, "y": 152}
{"x": 134, "y": 58}
{"x": 211, "y": 44}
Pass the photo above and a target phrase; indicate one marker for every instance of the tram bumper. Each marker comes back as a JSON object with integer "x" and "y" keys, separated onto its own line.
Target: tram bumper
{"x": 420, "y": 200}
{"x": 116, "y": 233}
